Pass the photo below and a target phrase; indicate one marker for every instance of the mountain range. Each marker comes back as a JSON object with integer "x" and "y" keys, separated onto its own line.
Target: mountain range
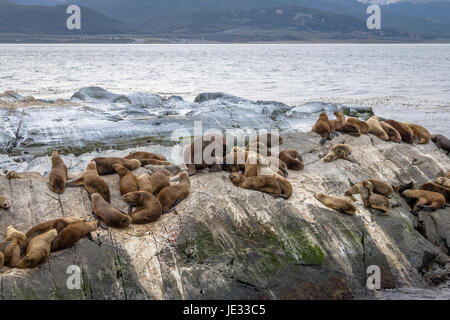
{"x": 232, "y": 20}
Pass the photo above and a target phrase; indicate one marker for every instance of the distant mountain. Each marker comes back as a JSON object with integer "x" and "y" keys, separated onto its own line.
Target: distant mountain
{"x": 434, "y": 11}
{"x": 45, "y": 3}
{"x": 142, "y": 13}
{"x": 16, "y": 18}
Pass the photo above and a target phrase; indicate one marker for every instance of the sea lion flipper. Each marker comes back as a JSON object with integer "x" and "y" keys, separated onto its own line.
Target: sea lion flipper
{"x": 75, "y": 183}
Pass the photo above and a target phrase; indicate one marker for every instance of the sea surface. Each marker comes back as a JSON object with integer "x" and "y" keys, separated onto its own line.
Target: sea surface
{"x": 287, "y": 73}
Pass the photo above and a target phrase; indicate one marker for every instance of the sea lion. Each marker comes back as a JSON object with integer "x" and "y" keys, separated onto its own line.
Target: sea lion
{"x": 431, "y": 186}
{"x": 141, "y": 155}
{"x": 380, "y": 187}
{"x": 338, "y": 123}
{"x": 159, "y": 180}
{"x": 128, "y": 181}
{"x": 441, "y": 142}
{"x": 404, "y": 130}
{"x": 376, "y": 201}
{"x": 268, "y": 140}
{"x": 92, "y": 182}
{"x": 427, "y": 199}
{"x": 339, "y": 151}
{"x": 419, "y": 132}
{"x": 376, "y": 129}
{"x": 170, "y": 196}
{"x": 393, "y": 134}
{"x": 112, "y": 217}
{"x": 11, "y": 175}
{"x": 205, "y": 146}
{"x": 266, "y": 184}
{"x": 38, "y": 250}
{"x": 235, "y": 161}
{"x": 322, "y": 127}
{"x": 338, "y": 204}
{"x": 58, "y": 174}
{"x": 144, "y": 183}
{"x": 361, "y": 125}
{"x": 292, "y": 159}
{"x": 106, "y": 165}
{"x": 71, "y": 234}
{"x": 148, "y": 207}
{"x": 5, "y": 203}
{"x": 445, "y": 182}
{"x": 57, "y": 224}
{"x": 15, "y": 243}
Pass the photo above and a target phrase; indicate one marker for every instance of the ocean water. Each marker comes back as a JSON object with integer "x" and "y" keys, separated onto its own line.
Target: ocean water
{"x": 281, "y": 72}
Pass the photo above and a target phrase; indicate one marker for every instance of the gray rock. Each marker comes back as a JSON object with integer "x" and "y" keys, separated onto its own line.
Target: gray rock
{"x": 228, "y": 243}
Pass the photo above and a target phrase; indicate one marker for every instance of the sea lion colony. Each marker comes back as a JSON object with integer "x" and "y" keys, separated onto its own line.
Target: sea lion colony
{"x": 254, "y": 168}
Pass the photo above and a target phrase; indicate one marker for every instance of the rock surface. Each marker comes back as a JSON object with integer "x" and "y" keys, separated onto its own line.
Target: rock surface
{"x": 228, "y": 243}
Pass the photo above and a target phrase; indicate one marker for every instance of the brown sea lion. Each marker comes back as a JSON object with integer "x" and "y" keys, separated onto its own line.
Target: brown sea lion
{"x": 148, "y": 207}
{"x": 419, "y": 133}
{"x": 144, "y": 183}
{"x": 15, "y": 243}
{"x": 266, "y": 184}
{"x": 393, "y": 134}
{"x": 92, "y": 182}
{"x": 112, "y": 217}
{"x": 128, "y": 181}
{"x": 5, "y": 203}
{"x": 361, "y": 125}
{"x": 58, "y": 174}
{"x": 376, "y": 201}
{"x": 427, "y": 200}
{"x": 376, "y": 129}
{"x": 380, "y": 187}
{"x": 71, "y": 234}
{"x": 285, "y": 186}
{"x": 338, "y": 123}
{"x": 445, "y": 182}
{"x": 170, "y": 196}
{"x": 38, "y": 250}
{"x": 404, "y": 130}
{"x": 441, "y": 142}
{"x": 323, "y": 128}
{"x": 338, "y": 204}
{"x": 106, "y": 165}
{"x": 431, "y": 186}
{"x": 159, "y": 180}
{"x": 57, "y": 224}
{"x": 141, "y": 155}
{"x": 12, "y": 175}
{"x": 292, "y": 159}
{"x": 339, "y": 151}
{"x": 235, "y": 161}
{"x": 201, "y": 153}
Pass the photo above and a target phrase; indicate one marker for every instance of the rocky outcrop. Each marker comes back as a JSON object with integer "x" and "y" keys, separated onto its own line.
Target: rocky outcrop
{"x": 228, "y": 243}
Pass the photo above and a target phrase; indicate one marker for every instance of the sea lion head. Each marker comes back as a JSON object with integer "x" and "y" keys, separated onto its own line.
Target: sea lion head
{"x": 96, "y": 197}
{"x": 368, "y": 185}
{"x": 12, "y": 175}
{"x": 92, "y": 224}
{"x": 184, "y": 176}
{"x": 323, "y": 116}
{"x": 320, "y": 196}
{"x": 132, "y": 197}
{"x": 4, "y": 203}
{"x": 56, "y": 157}
{"x": 92, "y": 166}
{"x": 120, "y": 169}
{"x": 236, "y": 178}
{"x": 408, "y": 193}
{"x": 297, "y": 164}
